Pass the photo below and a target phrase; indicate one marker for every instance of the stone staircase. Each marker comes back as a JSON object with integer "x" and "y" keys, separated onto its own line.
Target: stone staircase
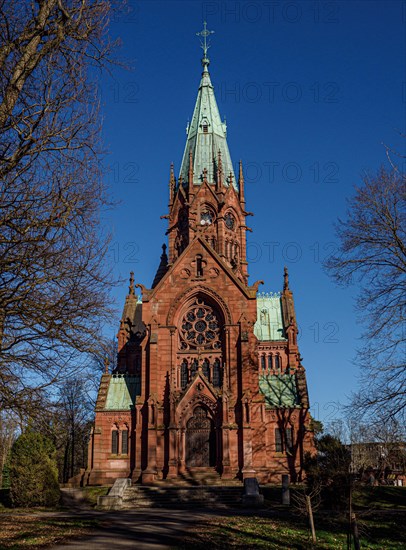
{"x": 197, "y": 487}
{"x": 165, "y": 495}
{"x": 197, "y": 477}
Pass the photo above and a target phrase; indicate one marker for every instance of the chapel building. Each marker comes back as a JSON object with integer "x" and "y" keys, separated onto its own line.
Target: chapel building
{"x": 209, "y": 376}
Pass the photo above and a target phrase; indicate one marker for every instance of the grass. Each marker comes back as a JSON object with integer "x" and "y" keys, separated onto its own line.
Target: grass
{"x": 379, "y": 515}
{"x": 286, "y": 533}
{"x": 379, "y": 512}
{"x": 91, "y": 493}
{"x": 29, "y": 531}
{"x": 380, "y": 498}
{"x": 376, "y": 498}
{"x": 26, "y": 528}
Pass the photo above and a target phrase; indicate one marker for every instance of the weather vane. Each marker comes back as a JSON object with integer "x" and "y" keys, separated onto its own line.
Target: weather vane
{"x": 203, "y": 41}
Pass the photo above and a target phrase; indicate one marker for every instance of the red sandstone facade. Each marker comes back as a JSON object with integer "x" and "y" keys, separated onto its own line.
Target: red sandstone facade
{"x": 198, "y": 386}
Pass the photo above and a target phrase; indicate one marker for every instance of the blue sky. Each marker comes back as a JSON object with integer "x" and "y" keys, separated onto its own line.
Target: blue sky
{"x": 310, "y": 91}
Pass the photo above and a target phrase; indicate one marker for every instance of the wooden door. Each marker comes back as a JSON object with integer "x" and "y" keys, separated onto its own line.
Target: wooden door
{"x": 198, "y": 439}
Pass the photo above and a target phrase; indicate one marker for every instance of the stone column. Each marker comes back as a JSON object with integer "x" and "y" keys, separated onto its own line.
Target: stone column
{"x": 182, "y": 451}
{"x": 173, "y": 452}
{"x": 247, "y": 470}
{"x": 150, "y": 473}
{"x": 225, "y": 433}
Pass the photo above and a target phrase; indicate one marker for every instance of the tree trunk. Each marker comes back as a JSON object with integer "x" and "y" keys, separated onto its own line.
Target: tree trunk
{"x": 355, "y": 532}
{"x": 311, "y": 521}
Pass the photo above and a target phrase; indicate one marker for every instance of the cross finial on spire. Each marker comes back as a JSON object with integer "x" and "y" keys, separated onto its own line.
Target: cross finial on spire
{"x": 204, "y": 43}
{"x": 230, "y": 178}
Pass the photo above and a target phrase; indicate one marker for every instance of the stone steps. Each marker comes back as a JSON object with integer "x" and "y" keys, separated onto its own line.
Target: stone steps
{"x": 180, "y": 497}
{"x": 199, "y": 477}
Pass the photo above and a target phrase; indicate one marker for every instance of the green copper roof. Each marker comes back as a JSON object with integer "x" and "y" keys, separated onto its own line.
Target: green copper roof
{"x": 122, "y": 392}
{"x": 269, "y": 325}
{"x": 206, "y": 136}
{"x": 279, "y": 390}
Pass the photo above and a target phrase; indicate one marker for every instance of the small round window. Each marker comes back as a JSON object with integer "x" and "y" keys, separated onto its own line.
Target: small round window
{"x": 206, "y": 217}
{"x": 229, "y": 220}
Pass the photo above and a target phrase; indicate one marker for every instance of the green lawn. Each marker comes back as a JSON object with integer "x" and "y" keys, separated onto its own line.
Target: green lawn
{"x": 29, "y": 531}
{"x": 91, "y": 494}
{"x": 285, "y": 533}
{"x": 377, "y": 498}
{"x": 380, "y": 498}
{"x": 381, "y": 514}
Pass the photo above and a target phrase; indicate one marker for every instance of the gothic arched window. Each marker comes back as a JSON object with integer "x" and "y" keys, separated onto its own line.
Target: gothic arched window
{"x": 114, "y": 442}
{"x": 206, "y": 369}
{"x": 193, "y": 368}
{"x": 217, "y": 375}
{"x": 124, "y": 442}
{"x": 183, "y": 374}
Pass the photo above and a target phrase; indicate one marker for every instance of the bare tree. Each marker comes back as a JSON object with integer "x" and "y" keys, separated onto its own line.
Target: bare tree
{"x": 373, "y": 253}
{"x": 306, "y": 502}
{"x": 377, "y": 447}
{"x": 54, "y": 286}
{"x": 71, "y": 427}
{"x": 8, "y": 434}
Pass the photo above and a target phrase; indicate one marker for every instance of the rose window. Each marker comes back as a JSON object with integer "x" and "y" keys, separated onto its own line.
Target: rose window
{"x": 200, "y": 327}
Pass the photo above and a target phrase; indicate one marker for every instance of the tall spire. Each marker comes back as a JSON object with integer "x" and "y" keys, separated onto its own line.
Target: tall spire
{"x": 206, "y": 134}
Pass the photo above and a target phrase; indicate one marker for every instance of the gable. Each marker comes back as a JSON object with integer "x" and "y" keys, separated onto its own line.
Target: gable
{"x": 183, "y": 269}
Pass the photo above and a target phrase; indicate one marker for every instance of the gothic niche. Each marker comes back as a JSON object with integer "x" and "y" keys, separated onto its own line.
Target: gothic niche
{"x": 182, "y": 237}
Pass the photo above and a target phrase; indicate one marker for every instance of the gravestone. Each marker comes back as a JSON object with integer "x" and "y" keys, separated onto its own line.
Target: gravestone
{"x": 285, "y": 490}
{"x": 251, "y": 497}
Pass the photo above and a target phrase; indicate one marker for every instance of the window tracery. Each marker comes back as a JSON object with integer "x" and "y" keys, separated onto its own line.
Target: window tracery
{"x": 200, "y": 327}
{"x": 211, "y": 369}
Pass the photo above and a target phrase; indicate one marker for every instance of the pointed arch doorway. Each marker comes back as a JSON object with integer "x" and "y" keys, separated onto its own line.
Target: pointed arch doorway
{"x": 200, "y": 440}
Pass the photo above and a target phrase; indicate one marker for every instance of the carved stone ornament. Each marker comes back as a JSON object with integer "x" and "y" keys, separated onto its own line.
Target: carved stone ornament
{"x": 182, "y": 297}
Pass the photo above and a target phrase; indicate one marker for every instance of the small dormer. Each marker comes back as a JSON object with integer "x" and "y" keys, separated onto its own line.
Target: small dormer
{"x": 205, "y": 125}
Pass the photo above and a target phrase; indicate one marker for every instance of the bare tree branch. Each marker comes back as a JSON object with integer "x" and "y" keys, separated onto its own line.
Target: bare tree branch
{"x": 373, "y": 254}
{"x": 54, "y": 284}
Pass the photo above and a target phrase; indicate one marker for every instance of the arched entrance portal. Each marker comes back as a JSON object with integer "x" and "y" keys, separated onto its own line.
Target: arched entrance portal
{"x": 200, "y": 440}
